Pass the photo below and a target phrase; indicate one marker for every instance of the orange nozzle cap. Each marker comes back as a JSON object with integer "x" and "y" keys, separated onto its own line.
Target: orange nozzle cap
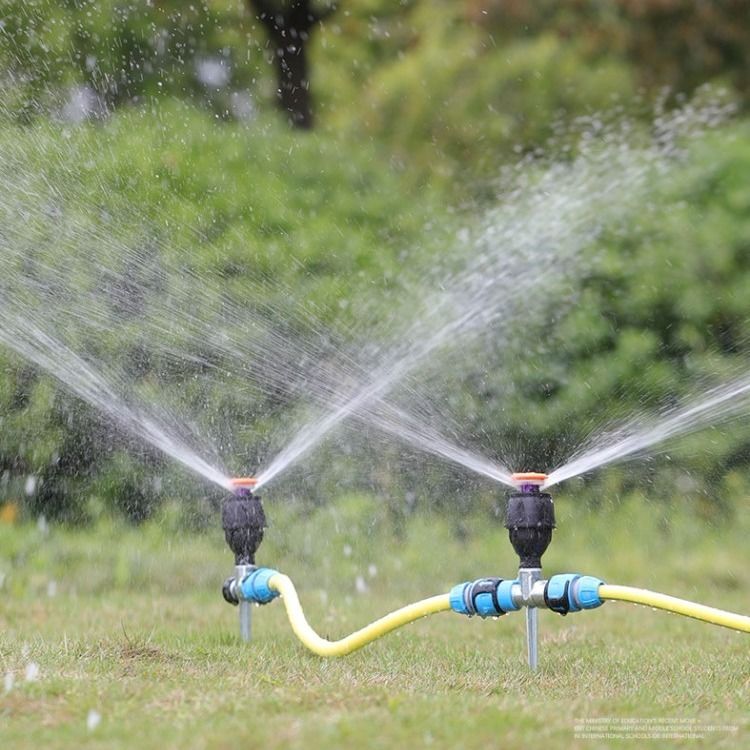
{"x": 529, "y": 477}
{"x": 239, "y": 482}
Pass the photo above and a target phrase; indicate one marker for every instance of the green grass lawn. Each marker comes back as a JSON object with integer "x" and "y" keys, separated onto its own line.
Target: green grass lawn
{"x": 130, "y": 623}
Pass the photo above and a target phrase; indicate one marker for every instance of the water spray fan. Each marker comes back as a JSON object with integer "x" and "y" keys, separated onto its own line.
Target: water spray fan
{"x": 530, "y": 520}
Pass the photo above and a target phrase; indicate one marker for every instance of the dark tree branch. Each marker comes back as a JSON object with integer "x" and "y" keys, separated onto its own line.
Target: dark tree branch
{"x": 289, "y": 26}
{"x": 264, "y": 9}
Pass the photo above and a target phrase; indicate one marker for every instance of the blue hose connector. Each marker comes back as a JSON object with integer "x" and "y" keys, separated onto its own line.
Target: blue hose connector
{"x": 254, "y": 587}
{"x": 505, "y": 595}
{"x": 558, "y": 593}
{"x": 458, "y": 603}
{"x": 586, "y": 591}
{"x": 486, "y": 597}
{"x": 571, "y": 592}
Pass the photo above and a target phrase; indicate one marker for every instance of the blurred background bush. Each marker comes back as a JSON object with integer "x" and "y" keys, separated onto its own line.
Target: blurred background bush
{"x": 418, "y": 106}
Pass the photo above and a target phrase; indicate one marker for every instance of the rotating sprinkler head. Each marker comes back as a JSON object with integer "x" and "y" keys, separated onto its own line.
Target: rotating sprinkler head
{"x": 530, "y": 518}
{"x": 243, "y": 521}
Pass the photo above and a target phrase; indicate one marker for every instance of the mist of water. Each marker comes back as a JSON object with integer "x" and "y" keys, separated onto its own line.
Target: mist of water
{"x": 526, "y": 255}
{"x": 157, "y": 426}
{"x": 74, "y": 276}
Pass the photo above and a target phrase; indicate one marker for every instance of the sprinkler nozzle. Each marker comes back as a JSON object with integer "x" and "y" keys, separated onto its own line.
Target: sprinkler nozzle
{"x": 243, "y": 485}
{"x": 526, "y": 480}
{"x": 243, "y": 521}
{"x": 530, "y": 518}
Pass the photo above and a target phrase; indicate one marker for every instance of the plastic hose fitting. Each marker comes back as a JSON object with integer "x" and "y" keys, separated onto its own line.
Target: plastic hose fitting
{"x": 586, "y": 592}
{"x": 254, "y": 587}
{"x": 486, "y": 597}
{"x": 571, "y": 592}
{"x": 229, "y": 591}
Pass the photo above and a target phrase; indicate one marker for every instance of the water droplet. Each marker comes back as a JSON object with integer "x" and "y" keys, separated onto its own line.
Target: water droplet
{"x": 93, "y": 720}
{"x": 32, "y": 672}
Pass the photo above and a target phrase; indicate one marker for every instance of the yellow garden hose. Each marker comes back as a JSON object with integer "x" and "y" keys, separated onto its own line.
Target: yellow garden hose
{"x": 678, "y": 606}
{"x": 485, "y": 597}
{"x": 284, "y": 586}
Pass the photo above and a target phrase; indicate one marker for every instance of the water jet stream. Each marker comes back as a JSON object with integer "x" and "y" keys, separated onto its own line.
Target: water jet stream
{"x": 99, "y": 272}
{"x": 720, "y": 404}
{"x": 531, "y": 244}
{"x": 158, "y": 429}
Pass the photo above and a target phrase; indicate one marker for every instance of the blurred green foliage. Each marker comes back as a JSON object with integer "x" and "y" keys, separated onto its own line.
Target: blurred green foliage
{"x": 676, "y": 43}
{"x": 126, "y": 53}
{"x": 449, "y": 86}
{"x": 420, "y": 104}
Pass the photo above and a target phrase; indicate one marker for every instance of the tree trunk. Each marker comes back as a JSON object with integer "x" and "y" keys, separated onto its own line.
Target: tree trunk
{"x": 294, "y": 81}
{"x": 289, "y": 26}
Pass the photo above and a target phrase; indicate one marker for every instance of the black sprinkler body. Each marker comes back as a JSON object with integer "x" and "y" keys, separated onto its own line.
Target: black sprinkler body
{"x": 530, "y": 519}
{"x": 244, "y": 522}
